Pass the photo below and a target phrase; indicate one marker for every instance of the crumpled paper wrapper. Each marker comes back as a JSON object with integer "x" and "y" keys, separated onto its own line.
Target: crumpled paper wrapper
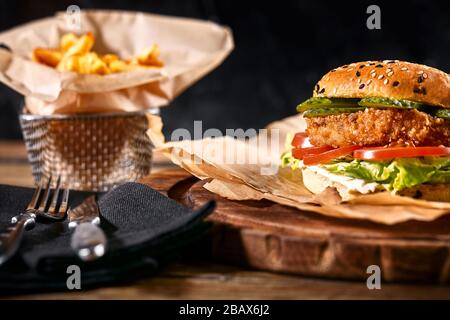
{"x": 255, "y": 178}
{"x": 189, "y": 49}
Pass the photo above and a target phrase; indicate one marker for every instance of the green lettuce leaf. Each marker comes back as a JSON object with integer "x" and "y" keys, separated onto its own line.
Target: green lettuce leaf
{"x": 397, "y": 174}
{"x": 393, "y": 175}
{"x": 287, "y": 160}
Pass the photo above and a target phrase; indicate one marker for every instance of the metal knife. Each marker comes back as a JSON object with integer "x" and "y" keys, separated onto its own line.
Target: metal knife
{"x": 88, "y": 239}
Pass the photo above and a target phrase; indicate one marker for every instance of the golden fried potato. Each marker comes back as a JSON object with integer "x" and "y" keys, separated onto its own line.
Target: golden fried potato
{"x": 49, "y": 57}
{"x": 82, "y": 46}
{"x": 122, "y": 66}
{"x": 108, "y": 58}
{"x": 149, "y": 57}
{"x": 95, "y": 64}
{"x": 74, "y": 55}
{"x": 89, "y": 63}
{"x": 70, "y": 63}
{"x": 67, "y": 41}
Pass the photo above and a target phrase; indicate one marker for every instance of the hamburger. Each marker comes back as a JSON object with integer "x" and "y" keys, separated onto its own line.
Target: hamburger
{"x": 376, "y": 126}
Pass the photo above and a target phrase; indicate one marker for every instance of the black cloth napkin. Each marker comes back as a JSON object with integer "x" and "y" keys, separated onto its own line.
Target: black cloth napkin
{"x": 144, "y": 228}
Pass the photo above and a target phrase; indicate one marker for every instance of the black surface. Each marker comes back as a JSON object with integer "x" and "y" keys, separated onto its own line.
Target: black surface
{"x": 144, "y": 230}
{"x": 282, "y": 49}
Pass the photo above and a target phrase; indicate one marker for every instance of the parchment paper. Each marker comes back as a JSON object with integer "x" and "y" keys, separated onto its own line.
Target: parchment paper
{"x": 244, "y": 181}
{"x": 189, "y": 49}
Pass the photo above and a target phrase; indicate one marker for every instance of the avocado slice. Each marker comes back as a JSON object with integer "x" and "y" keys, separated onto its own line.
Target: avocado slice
{"x": 315, "y": 102}
{"x": 379, "y": 102}
{"x": 321, "y": 112}
{"x": 317, "y": 107}
{"x": 441, "y": 113}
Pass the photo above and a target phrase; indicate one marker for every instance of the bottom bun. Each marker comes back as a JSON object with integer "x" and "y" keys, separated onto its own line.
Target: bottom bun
{"x": 317, "y": 183}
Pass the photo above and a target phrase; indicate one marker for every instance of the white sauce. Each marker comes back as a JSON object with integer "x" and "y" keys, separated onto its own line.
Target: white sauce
{"x": 351, "y": 184}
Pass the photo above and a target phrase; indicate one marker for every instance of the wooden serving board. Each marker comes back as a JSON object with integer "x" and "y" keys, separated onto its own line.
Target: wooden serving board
{"x": 269, "y": 236}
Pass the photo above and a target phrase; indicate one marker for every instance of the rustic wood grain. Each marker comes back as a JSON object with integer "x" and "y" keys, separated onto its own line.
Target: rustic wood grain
{"x": 269, "y": 236}
{"x": 204, "y": 280}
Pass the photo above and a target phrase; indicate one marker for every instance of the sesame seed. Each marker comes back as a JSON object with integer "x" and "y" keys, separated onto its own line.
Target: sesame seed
{"x": 334, "y": 90}
{"x": 420, "y": 90}
{"x": 361, "y": 66}
{"x": 346, "y": 66}
{"x": 361, "y": 86}
{"x": 388, "y": 70}
{"x": 390, "y": 73}
{"x": 395, "y": 83}
{"x": 349, "y": 69}
{"x": 333, "y": 70}
{"x": 373, "y": 74}
{"x": 420, "y": 72}
{"x": 379, "y": 66}
{"x": 404, "y": 69}
{"x": 380, "y": 77}
{"x": 424, "y": 91}
{"x": 386, "y": 81}
{"x": 358, "y": 73}
{"x": 425, "y": 75}
{"x": 359, "y": 80}
{"x": 369, "y": 81}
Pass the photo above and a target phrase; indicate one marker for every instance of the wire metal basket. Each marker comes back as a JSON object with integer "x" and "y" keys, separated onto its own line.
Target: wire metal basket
{"x": 91, "y": 152}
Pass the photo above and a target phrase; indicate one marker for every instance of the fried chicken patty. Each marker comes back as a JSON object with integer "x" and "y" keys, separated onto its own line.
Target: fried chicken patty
{"x": 379, "y": 127}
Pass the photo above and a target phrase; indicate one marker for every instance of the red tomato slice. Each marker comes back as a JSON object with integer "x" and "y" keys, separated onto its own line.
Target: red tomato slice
{"x": 312, "y": 159}
{"x": 382, "y": 153}
{"x": 301, "y": 140}
{"x": 299, "y": 153}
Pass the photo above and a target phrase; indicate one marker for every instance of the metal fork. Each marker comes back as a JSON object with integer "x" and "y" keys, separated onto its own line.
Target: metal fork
{"x": 39, "y": 206}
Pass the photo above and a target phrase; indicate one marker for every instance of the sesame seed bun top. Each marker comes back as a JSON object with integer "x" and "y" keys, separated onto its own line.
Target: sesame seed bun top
{"x": 388, "y": 78}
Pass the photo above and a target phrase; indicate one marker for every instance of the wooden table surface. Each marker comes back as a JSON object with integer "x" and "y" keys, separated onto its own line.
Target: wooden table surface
{"x": 194, "y": 279}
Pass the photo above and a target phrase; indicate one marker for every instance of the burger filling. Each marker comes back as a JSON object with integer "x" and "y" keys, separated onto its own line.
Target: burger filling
{"x": 397, "y": 144}
{"x": 378, "y": 127}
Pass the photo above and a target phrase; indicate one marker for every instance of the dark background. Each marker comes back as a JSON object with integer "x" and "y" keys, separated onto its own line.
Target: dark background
{"x": 282, "y": 49}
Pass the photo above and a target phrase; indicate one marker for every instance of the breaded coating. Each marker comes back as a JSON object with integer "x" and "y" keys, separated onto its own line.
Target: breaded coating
{"x": 379, "y": 127}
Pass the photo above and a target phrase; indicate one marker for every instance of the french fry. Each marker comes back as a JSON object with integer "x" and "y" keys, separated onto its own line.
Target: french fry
{"x": 82, "y": 46}
{"x": 93, "y": 64}
{"x": 67, "y": 41}
{"x": 76, "y": 47}
{"x": 88, "y": 63}
{"x": 66, "y": 63}
{"x": 49, "y": 57}
{"x": 108, "y": 58}
{"x": 149, "y": 57}
{"x": 122, "y": 66}
{"x": 74, "y": 55}
{"x": 69, "y": 64}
